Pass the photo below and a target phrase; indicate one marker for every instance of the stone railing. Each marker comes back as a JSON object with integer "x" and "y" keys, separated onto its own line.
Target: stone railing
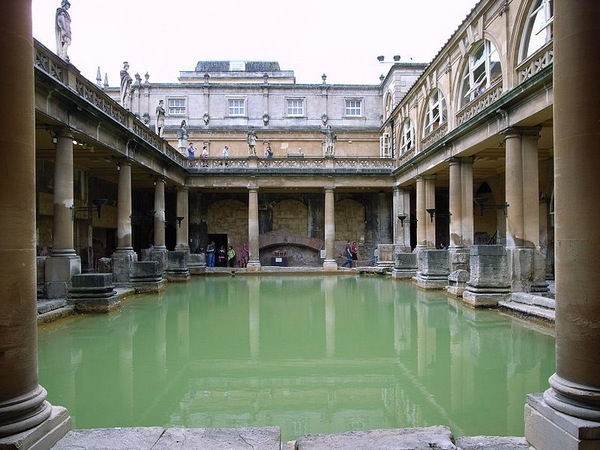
{"x": 435, "y": 135}
{"x": 67, "y": 75}
{"x": 480, "y": 103}
{"x": 536, "y": 62}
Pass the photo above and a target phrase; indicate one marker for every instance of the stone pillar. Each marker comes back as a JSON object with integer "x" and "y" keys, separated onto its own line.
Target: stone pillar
{"x": 430, "y": 203}
{"x": 459, "y": 255}
{"x": 26, "y": 418}
{"x": 401, "y": 206}
{"x": 330, "y": 263}
{"x": 159, "y": 254}
{"x": 515, "y": 232}
{"x": 159, "y": 214}
{"x": 568, "y": 414}
{"x": 467, "y": 220}
{"x": 522, "y": 220}
{"x": 253, "y": 231}
{"x": 63, "y": 262}
{"x": 422, "y": 216}
{"x": 182, "y": 210}
{"x": 124, "y": 255}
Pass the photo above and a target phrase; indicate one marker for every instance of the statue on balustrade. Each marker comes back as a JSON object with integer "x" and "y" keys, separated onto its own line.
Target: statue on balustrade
{"x": 63, "y": 30}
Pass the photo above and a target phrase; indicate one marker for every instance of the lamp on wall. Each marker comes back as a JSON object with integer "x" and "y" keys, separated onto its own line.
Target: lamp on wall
{"x": 403, "y": 216}
{"x": 178, "y": 221}
{"x": 97, "y": 204}
{"x": 433, "y": 213}
{"x": 481, "y": 202}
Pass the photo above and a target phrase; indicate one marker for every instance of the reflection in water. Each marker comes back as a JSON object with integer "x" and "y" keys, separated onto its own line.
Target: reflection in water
{"x": 309, "y": 354}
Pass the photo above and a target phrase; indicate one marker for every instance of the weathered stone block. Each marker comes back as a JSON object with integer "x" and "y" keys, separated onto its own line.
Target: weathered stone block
{"x": 405, "y": 265}
{"x": 93, "y": 292}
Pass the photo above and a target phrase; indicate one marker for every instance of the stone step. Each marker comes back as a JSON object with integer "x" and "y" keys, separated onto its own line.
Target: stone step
{"x": 532, "y": 299}
{"x": 51, "y": 310}
{"x": 529, "y": 310}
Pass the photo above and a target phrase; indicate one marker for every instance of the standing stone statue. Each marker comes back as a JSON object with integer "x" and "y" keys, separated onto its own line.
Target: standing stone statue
{"x": 330, "y": 139}
{"x": 182, "y": 137}
{"x": 251, "y": 139}
{"x": 160, "y": 118}
{"x": 63, "y": 30}
{"x": 126, "y": 81}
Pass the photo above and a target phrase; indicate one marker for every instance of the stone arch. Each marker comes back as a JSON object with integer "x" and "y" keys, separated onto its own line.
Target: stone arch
{"x": 291, "y": 215}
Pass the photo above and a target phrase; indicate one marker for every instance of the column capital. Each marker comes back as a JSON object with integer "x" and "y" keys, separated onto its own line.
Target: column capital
{"x": 512, "y": 132}
{"x": 328, "y": 188}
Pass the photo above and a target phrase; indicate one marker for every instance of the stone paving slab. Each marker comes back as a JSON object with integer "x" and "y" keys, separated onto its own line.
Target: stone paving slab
{"x": 437, "y": 437}
{"x": 158, "y": 438}
{"x": 492, "y": 443}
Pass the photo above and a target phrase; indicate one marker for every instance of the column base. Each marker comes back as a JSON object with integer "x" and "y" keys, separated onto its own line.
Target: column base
{"x": 484, "y": 299}
{"x": 330, "y": 265}
{"x": 547, "y": 428}
{"x": 44, "y": 435}
{"x": 122, "y": 260}
{"x": 253, "y": 266}
{"x": 58, "y": 271}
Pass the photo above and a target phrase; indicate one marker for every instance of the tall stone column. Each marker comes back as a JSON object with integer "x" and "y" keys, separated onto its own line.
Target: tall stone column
{"x": 384, "y": 219}
{"x": 330, "y": 264}
{"x": 26, "y": 418}
{"x": 182, "y": 210}
{"x": 159, "y": 253}
{"x": 159, "y": 214}
{"x": 467, "y": 220}
{"x": 253, "y": 231}
{"x": 458, "y": 251}
{"x": 522, "y": 219}
{"x": 430, "y": 204}
{"x": 401, "y": 207}
{"x": 63, "y": 262}
{"x": 515, "y": 230}
{"x": 568, "y": 414}
{"x": 456, "y": 209}
{"x": 124, "y": 255}
{"x": 422, "y": 216}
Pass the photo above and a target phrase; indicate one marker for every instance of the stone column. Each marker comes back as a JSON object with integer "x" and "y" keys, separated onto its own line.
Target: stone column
{"x": 515, "y": 231}
{"x": 430, "y": 203}
{"x": 401, "y": 206}
{"x": 159, "y": 214}
{"x": 159, "y": 253}
{"x": 459, "y": 255}
{"x": 182, "y": 210}
{"x": 124, "y": 255}
{"x": 330, "y": 264}
{"x": 25, "y": 416}
{"x": 63, "y": 262}
{"x": 568, "y": 415}
{"x": 522, "y": 196}
{"x": 467, "y": 220}
{"x": 422, "y": 216}
{"x": 253, "y": 231}
{"x": 456, "y": 235}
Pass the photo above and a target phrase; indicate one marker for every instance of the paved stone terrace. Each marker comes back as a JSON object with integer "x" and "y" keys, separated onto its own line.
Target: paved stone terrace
{"x": 269, "y": 438}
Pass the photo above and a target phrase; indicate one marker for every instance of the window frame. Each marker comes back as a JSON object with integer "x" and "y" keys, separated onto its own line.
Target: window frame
{"x": 300, "y": 110}
{"x": 436, "y": 113}
{"x": 407, "y": 136}
{"x": 238, "y": 110}
{"x": 539, "y": 20}
{"x": 349, "y": 109}
{"x": 483, "y": 68}
{"x": 174, "y": 109}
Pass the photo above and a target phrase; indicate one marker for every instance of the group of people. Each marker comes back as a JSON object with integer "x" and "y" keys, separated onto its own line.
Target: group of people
{"x": 351, "y": 254}
{"x": 226, "y": 258}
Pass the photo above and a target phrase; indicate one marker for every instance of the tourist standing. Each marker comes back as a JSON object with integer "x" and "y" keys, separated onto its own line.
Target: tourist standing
{"x": 244, "y": 254}
{"x": 231, "y": 256}
{"x": 210, "y": 254}
{"x": 354, "y": 251}
{"x": 221, "y": 255}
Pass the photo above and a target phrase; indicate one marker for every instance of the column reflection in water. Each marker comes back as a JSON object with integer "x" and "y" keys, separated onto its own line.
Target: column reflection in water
{"x": 307, "y": 353}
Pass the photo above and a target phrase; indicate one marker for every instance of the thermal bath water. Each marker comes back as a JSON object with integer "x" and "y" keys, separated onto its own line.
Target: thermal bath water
{"x": 310, "y": 354}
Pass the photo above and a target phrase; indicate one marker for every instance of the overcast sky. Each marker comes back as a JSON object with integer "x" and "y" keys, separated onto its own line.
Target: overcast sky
{"x": 311, "y": 37}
